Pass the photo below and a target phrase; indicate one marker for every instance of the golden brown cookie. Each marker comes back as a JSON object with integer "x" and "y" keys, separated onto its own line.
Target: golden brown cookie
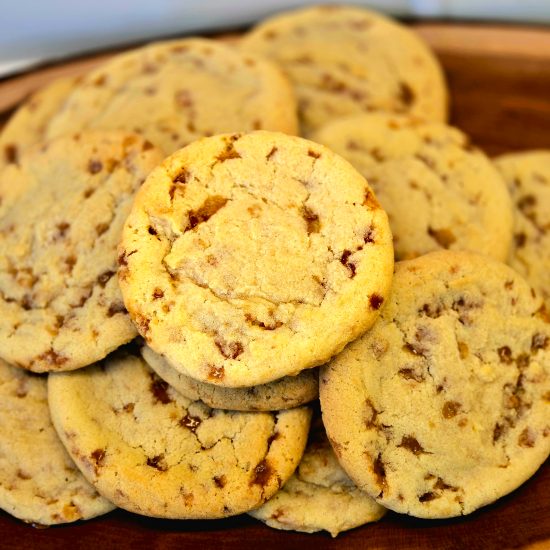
{"x": 176, "y": 92}
{"x": 319, "y": 496}
{"x": 439, "y": 192}
{"x": 346, "y": 60}
{"x": 285, "y": 393}
{"x": 250, "y": 257}
{"x": 62, "y": 208}
{"x": 39, "y": 483}
{"x": 528, "y": 178}
{"x": 444, "y": 406}
{"x": 152, "y": 451}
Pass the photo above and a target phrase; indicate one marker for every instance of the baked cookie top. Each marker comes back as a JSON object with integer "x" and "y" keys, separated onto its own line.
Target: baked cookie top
{"x": 152, "y": 451}
{"x": 63, "y": 207}
{"x": 439, "y": 192}
{"x": 28, "y": 125}
{"x": 443, "y": 406}
{"x": 39, "y": 483}
{"x": 347, "y": 60}
{"x": 319, "y": 495}
{"x": 179, "y": 91}
{"x": 249, "y": 257}
{"x": 528, "y": 178}
{"x": 285, "y": 393}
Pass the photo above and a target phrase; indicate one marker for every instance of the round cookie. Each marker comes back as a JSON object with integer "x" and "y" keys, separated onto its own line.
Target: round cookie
{"x": 285, "y": 393}
{"x": 319, "y": 495}
{"x": 528, "y": 177}
{"x": 347, "y": 60}
{"x": 63, "y": 207}
{"x": 443, "y": 407}
{"x": 250, "y": 257}
{"x": 176, "y": 92}
{"x": 28, "y": 125}
{"x": 152, "y": 451}
{"x": 439, "y": 192}
{"x": 39, "y": 483}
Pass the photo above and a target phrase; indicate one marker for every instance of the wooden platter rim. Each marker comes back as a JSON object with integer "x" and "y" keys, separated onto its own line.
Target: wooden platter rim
{"x": 466, "y": 39}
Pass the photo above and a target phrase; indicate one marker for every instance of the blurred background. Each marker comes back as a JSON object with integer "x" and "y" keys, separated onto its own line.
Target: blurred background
{"x": 38, "y": 31}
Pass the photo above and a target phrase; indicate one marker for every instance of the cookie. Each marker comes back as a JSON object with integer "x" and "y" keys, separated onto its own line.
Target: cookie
{"x": 176, "y": 92}
{"x": 61, "y": 216}
{"x": 152, "y": 451}
{"x": 528, "y": 176}
{"x": 347, "y": 60}
{"x": 439, "y": 192}
{"x": 28, "y": 125}
{"x": 444, "y": 406}
{"x": 285, "y": 393}
{"x": 319, "y": 495}
{"x": 250, "y": 257}
{"x": 39, "y": 483}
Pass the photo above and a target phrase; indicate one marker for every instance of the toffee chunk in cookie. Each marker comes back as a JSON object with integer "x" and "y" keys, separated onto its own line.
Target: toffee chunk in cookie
{"x": 176, "y": 92}
{"x": 39, "y": 482}
{"x": 285, "y": 393}
{"x": 63, "y": 205}
{"x": 319, "y": 496}
{"x": 152, "y": 451}
{"x": 528, "y": 178}
{"x": 439, "y": 192}
{"x": 250, "y": 257}
{"x": 444, "y": 406}
{"x": 350, "y": 60}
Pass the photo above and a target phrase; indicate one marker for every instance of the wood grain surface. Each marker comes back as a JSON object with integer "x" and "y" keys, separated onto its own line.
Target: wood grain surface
{"x": 500, "y": 87}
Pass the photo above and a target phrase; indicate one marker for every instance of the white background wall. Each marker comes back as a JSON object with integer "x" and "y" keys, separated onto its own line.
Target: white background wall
{"x": 32, "y": 31}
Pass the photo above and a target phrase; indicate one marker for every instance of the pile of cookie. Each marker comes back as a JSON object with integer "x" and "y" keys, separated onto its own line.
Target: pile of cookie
{"x": 192, "y": 277}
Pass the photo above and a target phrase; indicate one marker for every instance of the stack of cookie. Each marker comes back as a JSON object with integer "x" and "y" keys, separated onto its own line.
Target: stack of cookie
{"x": 182, "y": 305}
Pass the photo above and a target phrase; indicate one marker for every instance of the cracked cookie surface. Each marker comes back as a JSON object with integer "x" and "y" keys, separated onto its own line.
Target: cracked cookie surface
{"x": 285, "y": 393}
{"x": 176, "y": 92}
{"x": 28, "y": 124}
{"x": 528, "y": 178}
{"x": 154, "y": 452}
{"x": 319, "y": 496}
{"x": 350, "y": 60}
{"x": 439, "y": 192}
{"x": 250, "y": 257}
{"x": 444, "y": 406}
{"x": 63, "y": 205}
{"x": 39, "y": 482}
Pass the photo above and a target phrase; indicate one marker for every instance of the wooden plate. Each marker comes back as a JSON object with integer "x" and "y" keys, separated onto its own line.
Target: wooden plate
{"x": 500, "y": 88}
